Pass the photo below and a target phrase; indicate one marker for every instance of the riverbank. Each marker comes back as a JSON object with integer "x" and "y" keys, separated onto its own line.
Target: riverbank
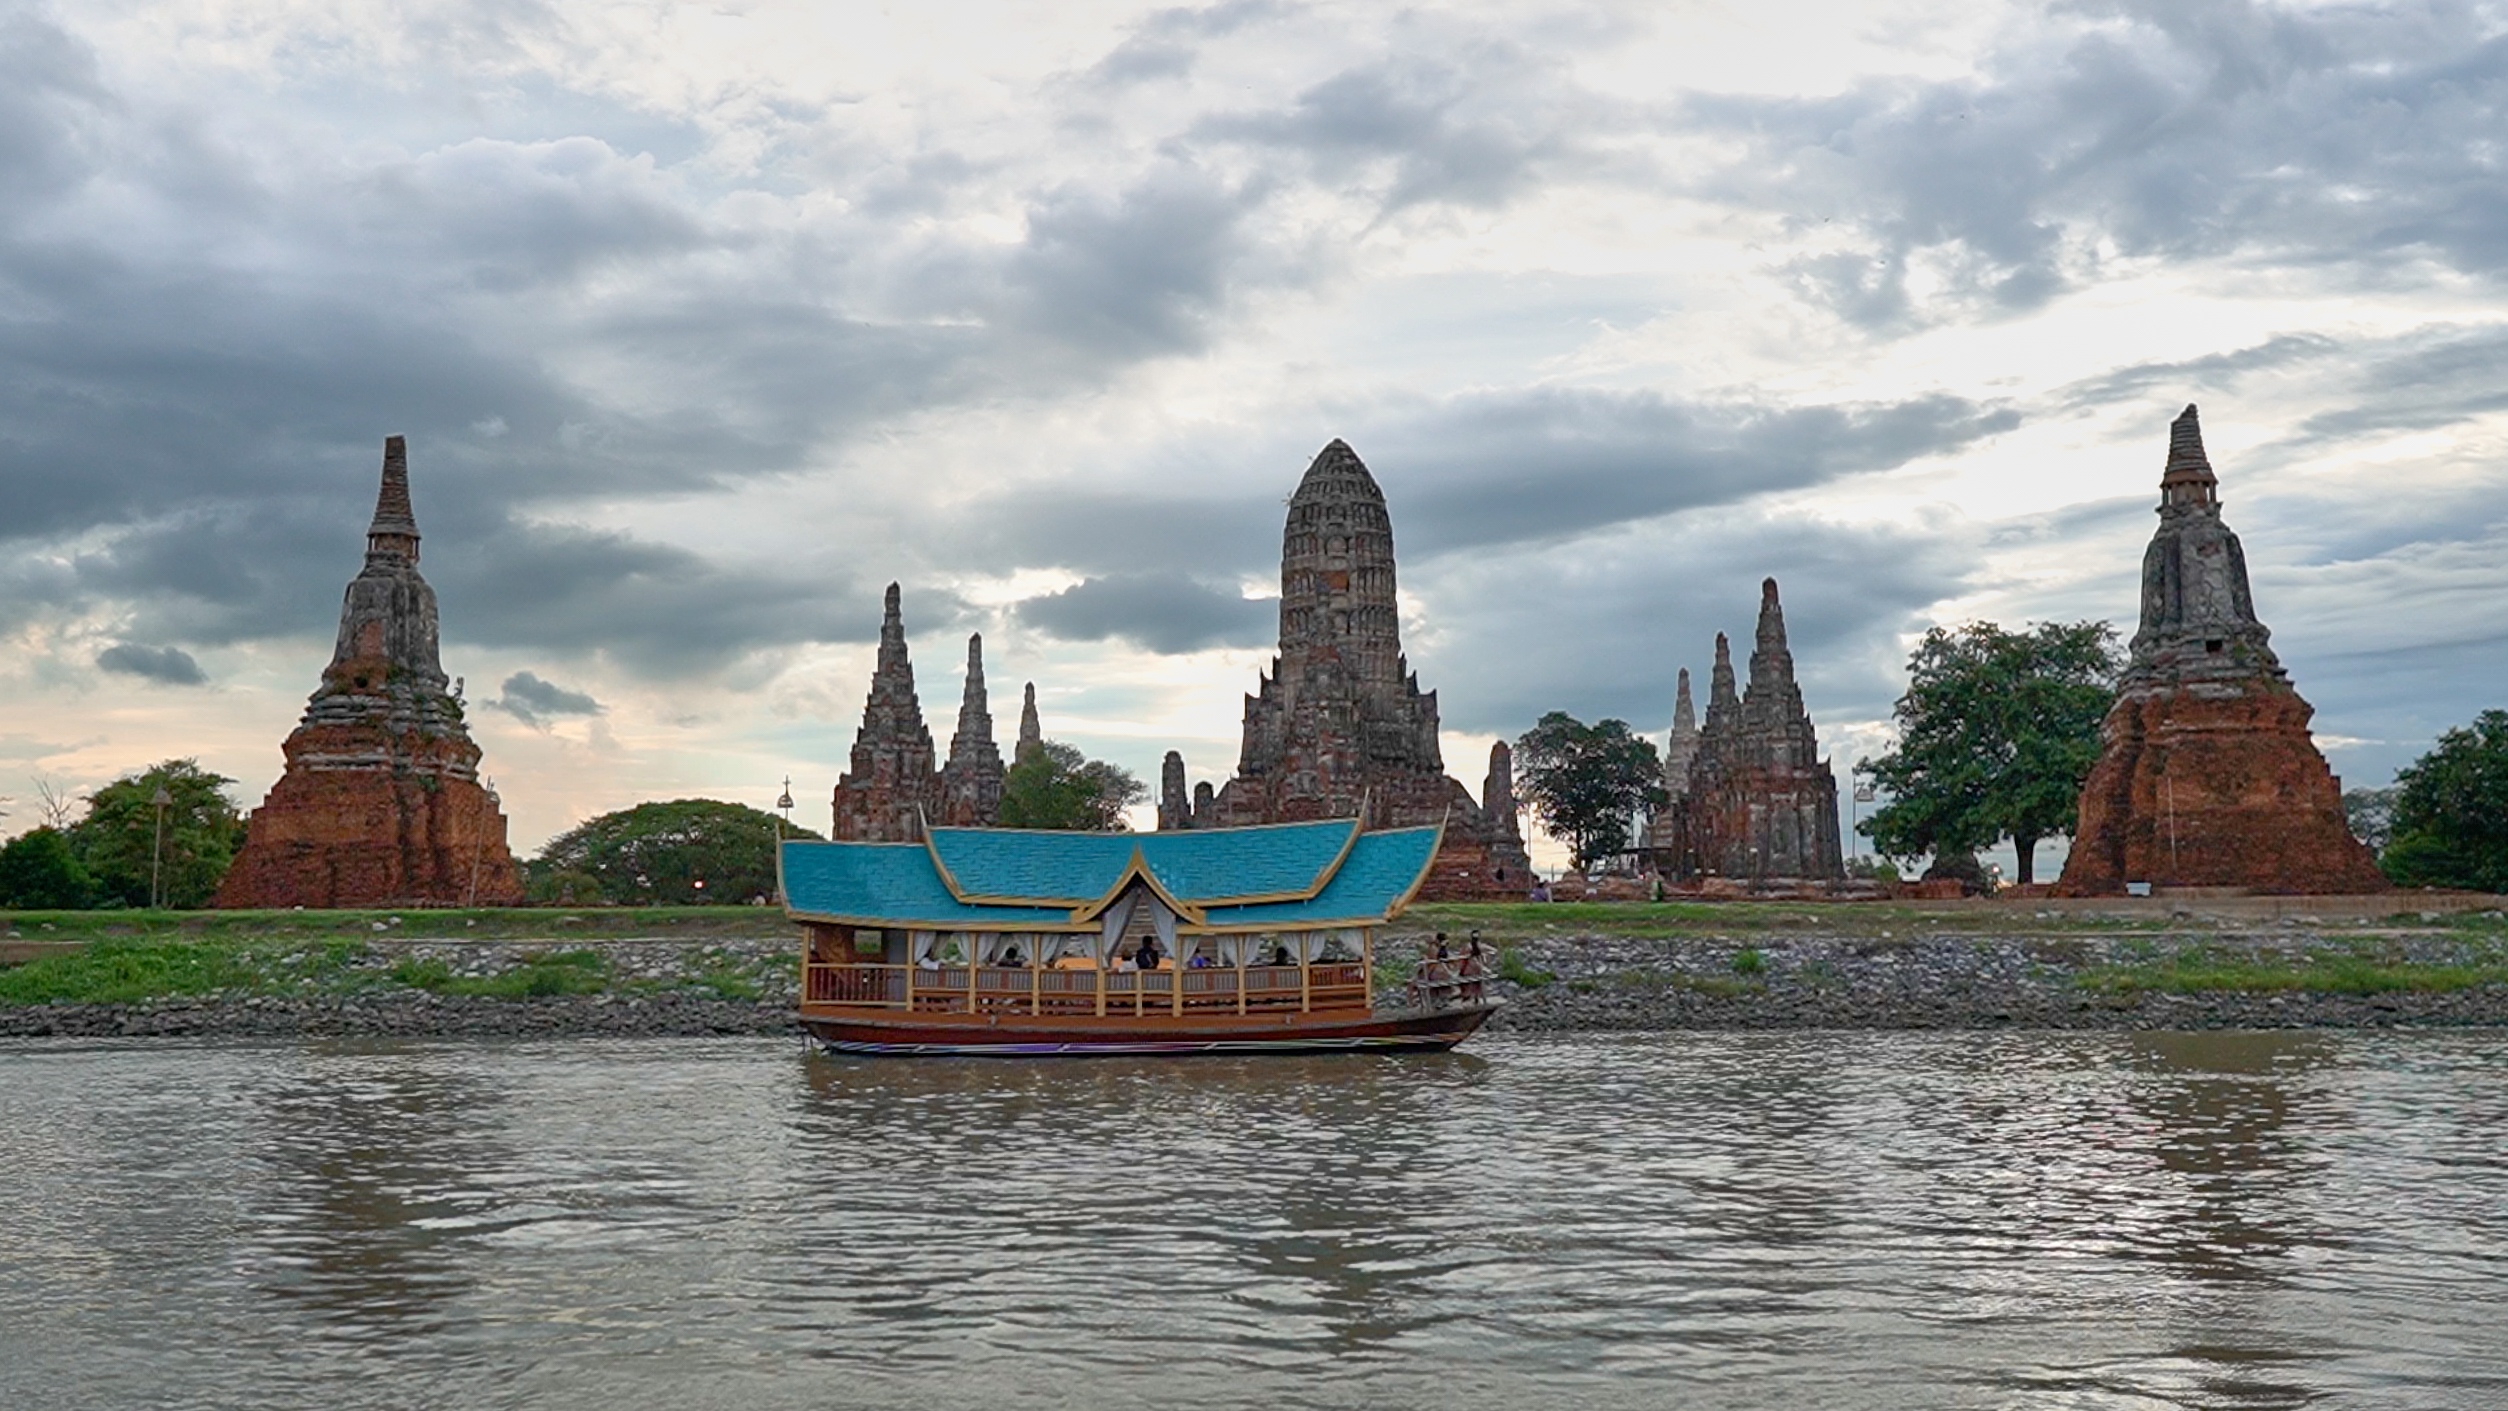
{"x": 1561, "y": 968}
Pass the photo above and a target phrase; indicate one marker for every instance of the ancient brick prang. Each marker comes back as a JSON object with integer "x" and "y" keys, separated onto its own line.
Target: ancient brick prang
{"x": 1031, "y": 730}
{"x": 970, "y": 783}
{"x": 1661, "y": 838}
{"x": 2207, "y": 774}
{"x": 894, "y": 782}
{"x": 381, "y": 802}
{"x": 1756, "y": 802}
{"x": 1339, "y": 726}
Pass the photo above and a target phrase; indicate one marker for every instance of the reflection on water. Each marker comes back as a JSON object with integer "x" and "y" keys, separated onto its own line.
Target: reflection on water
{"x": 2233, "y": 1220}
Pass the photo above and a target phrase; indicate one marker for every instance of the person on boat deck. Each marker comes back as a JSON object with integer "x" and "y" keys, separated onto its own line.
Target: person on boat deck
{"x": 1475, "y": 964}
{"x": 1280, "y": 955}
{"x": 1147, "y": 957}
{"x": 1011, "y": 959}
{"x": 1436, "y": 973}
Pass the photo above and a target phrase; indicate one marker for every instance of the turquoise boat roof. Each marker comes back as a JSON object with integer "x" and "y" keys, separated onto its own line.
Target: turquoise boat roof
{"x": 1373, "y": 883}
{"x": 1293, "y": 876}
{"x": 889, "y": 884}
{"x": 1194, "y": 866}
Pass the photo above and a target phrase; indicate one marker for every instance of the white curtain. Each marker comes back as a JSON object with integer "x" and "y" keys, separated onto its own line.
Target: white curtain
{"x": 923, "y": 945}
{"x": 1110, "y": 925}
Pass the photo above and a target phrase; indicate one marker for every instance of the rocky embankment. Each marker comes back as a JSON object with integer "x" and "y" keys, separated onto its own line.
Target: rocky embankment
{"x": 1556, "y": 981}
{"x": 2280, "y": 978}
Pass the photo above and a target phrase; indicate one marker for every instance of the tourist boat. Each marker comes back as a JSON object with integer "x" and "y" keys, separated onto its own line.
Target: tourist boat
{"x": 1016, "y": 942}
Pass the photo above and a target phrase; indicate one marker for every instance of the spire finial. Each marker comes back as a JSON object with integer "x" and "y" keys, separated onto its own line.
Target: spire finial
{"x": 1684, "y": 715}
{"x": 395, "y": 526}
{"x": 2188, "y": 466}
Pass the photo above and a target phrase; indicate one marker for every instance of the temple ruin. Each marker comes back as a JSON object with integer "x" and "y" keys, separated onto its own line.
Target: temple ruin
{"x": 1339, "y": 727}
{"x": 2207, "y": 775}
{"x": 381, "y": 802}
{"x": 896, "y": 780}
{"x": 1753, "y": 800}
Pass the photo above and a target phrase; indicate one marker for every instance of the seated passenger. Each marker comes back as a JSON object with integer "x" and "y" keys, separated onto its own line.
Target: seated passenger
{"x": 1280, "y": 956}
{"x": 1011, "y": 959}
{"x": 1147, "y": 957}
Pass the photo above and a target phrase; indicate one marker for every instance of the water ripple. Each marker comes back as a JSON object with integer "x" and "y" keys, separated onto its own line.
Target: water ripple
{"x": 2215, "y": 1220}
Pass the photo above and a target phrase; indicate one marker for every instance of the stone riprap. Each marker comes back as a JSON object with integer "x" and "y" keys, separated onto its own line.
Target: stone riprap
{"x": 1770, "y": 980}
{"x": 1971, "y": 981}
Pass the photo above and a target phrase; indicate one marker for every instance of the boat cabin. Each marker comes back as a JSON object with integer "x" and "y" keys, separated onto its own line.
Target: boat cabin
{"x": 1068, "y": 938}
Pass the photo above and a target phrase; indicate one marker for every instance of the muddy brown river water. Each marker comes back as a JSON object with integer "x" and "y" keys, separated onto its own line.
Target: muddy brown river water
{"x": 1797, "y": 1219}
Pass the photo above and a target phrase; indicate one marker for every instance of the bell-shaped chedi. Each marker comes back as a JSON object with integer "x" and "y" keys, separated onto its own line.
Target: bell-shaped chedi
{"x": 2207, "y": 776}
{"x": 381, "y": 802}
{"x": 1339, "y": 726}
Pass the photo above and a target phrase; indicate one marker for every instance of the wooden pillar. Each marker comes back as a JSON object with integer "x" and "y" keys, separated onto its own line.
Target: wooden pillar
{"x": 1367, "y": 961}
{"x": 1036, "y": 973}
{"x": 1306, "y": 979}
{"x": 1176, "y": 962}
{"x": 1241, "y": 940}
{"x": 1101, "y": 989}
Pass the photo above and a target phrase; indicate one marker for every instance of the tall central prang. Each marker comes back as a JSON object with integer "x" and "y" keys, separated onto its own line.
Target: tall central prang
{"x": 1339, "y": 726}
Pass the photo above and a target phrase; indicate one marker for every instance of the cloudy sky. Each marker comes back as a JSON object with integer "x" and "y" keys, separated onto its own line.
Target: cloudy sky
{"x": 707, "y": 321}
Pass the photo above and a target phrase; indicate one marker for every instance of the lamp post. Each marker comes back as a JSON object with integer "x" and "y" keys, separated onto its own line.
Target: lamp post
{"x": 156, "y": 850}
{"x": 783, "y": 806}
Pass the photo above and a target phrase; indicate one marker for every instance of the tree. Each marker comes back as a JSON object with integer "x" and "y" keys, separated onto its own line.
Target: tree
{"x": 1996, "y": 733}
{"x": 1586, "y": 783}
{"x": 2451, "y": 811}
{"x": 117, "y": 842}
{"x": 1058, "y": 787}
{"x": 688, "y": 852}
{"x": 2371, "y": 814}
{"x": 38, "y": 872}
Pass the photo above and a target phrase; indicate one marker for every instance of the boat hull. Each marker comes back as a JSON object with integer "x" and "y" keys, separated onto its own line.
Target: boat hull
{"x": 1085, "y": 1036}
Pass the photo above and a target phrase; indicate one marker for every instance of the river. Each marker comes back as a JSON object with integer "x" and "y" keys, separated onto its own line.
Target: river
{"x": 1697, "y": 1220}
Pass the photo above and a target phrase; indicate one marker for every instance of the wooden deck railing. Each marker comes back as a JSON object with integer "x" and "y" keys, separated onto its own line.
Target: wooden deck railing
{"x": 1024, "y": 990}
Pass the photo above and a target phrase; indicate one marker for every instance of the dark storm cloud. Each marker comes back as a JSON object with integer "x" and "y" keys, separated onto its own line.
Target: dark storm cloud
{"x": 171, "y": 666}
{"x": 1131, "y": 276}
{"x": 1478, "y": 471}
{"x": 532, "y": 701}
{"x": 1516, "y": 634}
{"x": 2342, "y": 138}
{"x": 191, "y": 438}
{"x": 1157, "y": 611}
{"x": 1550, "y": 463}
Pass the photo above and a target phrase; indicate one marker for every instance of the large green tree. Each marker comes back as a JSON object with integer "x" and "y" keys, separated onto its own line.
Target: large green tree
{"x": 687, "y": 852}
{"x": 1586, "y": 783}
{"x": 119, "y": 844}
{"x": 1996, "y": 733}
{"x": 39, "y": 872}
{"x": 2451, "y": 811}
{"x": 1058, "y": 787}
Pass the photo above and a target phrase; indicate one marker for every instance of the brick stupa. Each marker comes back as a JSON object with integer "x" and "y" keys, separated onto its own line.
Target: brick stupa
{"x": 381, "y": 803}
{"x": 1339, "y": 725}
{"x": 2207, "y": 775}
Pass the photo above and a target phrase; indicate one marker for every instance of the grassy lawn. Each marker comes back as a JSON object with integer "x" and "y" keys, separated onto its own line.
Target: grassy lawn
{"x": 2200, "y": 971}
{"x": 129, "y": 969}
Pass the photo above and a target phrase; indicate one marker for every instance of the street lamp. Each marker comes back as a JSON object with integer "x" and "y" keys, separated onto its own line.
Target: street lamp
{"x": 783, "y": 803}
{"x": 156, "y": 850}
